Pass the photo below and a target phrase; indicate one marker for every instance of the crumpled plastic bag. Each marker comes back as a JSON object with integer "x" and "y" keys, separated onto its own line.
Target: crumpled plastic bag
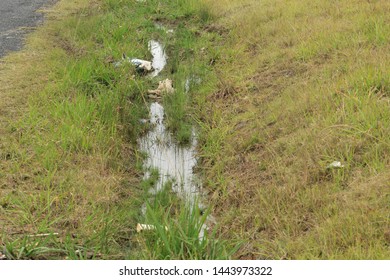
{"x": 140, "y": 64}
{"x": 165, "y": 86}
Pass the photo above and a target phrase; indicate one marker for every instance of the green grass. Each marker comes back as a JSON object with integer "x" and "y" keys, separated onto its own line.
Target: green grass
{"x": 180, "y": 231}
{"x": 297, "y": 86}
{"x": 70, "y": 164}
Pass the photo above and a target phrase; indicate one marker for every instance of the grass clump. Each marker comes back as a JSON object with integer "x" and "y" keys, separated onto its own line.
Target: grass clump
{"x": 180, "y": 231}
{"x": 178, "y": 119}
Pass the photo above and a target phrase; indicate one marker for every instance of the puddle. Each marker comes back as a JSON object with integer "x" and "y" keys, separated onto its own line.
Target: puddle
{"x": 159, "y": 57}
{"x": 174, "y": 162}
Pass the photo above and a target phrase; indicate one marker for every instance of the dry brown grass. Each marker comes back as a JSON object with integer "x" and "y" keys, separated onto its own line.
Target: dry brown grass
{"x": 311, "y": 82}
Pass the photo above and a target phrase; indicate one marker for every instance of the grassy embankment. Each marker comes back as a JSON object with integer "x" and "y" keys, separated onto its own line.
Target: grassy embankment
{"x": 300, "y": 84}
{"x": 69, "y": 124}
{"x": 293, "y": 86}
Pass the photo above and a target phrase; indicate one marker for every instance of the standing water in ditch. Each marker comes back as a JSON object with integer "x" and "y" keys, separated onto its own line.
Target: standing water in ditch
{"x": 174, "y": 162}
{"x": 159, "y": 57}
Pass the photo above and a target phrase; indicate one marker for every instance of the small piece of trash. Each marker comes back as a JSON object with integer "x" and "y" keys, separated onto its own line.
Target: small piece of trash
{"x": 2, "y": 257}
{"x": 335, "y": 164}
{"x": 140, "y": 64}
{"x": 143, "y": 227}
{"x": 43, "y": 234}
{"x": 164, "y": 86}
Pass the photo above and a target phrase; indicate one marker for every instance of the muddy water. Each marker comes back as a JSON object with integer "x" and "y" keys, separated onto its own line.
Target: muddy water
{"x": 159, "y": 57}
{"x": 174, "y": 162}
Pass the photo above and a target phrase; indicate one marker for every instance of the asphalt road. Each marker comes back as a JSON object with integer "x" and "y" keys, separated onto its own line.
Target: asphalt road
{"x": 16, "y": 19}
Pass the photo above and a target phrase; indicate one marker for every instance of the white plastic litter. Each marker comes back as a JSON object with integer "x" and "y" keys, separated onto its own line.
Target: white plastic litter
{"x": 335, "y": 164}
{"x": 140, "y": 64}
{"x": 143, "y": 227}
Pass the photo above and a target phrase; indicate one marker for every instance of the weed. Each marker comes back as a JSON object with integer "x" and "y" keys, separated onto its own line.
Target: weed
{"x": 180, "y": 232}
